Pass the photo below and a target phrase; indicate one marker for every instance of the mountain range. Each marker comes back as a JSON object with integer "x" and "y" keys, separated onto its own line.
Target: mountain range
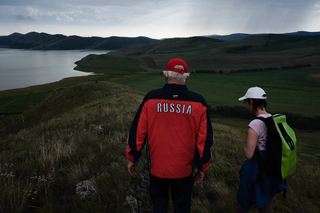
{"x": 237, "y": 36}
{"x": 44, "y": 41}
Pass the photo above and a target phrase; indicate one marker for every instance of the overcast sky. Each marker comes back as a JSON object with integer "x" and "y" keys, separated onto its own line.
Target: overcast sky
{"x": 158, "y": 18}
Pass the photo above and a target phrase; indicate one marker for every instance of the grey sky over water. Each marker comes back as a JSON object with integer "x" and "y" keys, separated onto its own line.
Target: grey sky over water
{"x": 158, "y": 18}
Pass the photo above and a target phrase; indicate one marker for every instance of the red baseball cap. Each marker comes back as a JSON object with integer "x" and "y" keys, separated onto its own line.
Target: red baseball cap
{"x": 177, "y": 65}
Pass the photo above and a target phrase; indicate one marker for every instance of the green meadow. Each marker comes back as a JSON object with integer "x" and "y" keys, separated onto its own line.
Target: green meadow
{"x": 293, "y": 90}
{"x": 288, "y": 90}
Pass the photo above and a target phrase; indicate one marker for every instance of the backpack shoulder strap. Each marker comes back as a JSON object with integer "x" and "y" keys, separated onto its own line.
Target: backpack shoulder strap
{"x": 261, "y": 118}
{"x": 261, "y": 162}
{"x": 269, "y": 121}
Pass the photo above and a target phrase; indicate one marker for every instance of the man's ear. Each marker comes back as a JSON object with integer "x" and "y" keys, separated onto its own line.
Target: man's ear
{"x": 187, "y": 79}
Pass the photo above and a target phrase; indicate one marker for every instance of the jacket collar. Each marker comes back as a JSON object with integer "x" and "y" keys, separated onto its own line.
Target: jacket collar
{"x": 175, "y": 86}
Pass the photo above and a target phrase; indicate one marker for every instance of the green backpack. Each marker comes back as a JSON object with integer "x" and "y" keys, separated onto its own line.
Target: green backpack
{"x": 281, "y": 151}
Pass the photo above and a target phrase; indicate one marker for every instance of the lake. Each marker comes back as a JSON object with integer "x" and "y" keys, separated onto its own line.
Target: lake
{"x": 24, "y": 68}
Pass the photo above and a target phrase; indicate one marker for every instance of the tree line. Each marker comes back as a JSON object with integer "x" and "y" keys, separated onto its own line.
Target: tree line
{"x": 255, "y": 69}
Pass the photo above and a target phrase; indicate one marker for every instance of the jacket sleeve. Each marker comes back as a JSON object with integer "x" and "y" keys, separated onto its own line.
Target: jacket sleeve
{"x": 205, "y": 140}
{"x": 138, "y": 134}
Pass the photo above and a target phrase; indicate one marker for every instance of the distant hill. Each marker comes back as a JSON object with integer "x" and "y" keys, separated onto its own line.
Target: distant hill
{"x": 44, "y": 41}
{"x": 207, "y": 54}
{"x": 303, "y": 33}
{"x": 237, "y": 36}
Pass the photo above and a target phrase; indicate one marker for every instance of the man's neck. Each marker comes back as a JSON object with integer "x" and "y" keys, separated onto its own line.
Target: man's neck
{"x": 174, "y": 82}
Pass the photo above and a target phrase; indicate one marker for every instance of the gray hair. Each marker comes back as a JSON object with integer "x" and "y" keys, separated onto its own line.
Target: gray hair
{"x": 176, "y": 77}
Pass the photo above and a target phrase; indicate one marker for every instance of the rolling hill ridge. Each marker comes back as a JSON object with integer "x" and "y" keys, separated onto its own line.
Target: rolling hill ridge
{"x": 44, "y": 41}
{"x": 203, "y": 53}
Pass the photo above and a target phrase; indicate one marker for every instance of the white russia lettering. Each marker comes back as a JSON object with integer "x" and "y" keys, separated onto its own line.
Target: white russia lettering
{"x": 177, "y": 108}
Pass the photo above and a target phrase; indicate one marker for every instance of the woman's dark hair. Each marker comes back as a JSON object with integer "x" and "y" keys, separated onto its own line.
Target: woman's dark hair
{"x": 258, "y": 103}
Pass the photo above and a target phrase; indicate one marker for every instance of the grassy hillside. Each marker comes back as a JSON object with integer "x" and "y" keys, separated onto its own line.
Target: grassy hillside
{"x": 18, "y": 100}
{"x": 65, "y": 153}
{"x": 69, "y": 157}
{"x": 200, "y": 53}
{"x": 268, "y": 61}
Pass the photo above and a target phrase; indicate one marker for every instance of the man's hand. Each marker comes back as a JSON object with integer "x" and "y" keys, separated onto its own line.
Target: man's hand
{"x": 197, "y": 175}
{"x": 132, "y": 166}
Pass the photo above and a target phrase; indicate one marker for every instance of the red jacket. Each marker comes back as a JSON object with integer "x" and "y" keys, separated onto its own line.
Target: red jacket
{"x": 174, "y": 124}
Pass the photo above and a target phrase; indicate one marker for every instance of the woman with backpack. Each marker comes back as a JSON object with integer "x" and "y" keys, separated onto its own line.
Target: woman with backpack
{"x": 256, "y": 188}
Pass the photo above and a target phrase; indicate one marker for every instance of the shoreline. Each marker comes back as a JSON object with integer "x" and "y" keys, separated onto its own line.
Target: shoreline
{"x": 15, "y": 101}
{"x": 45, "y": 85}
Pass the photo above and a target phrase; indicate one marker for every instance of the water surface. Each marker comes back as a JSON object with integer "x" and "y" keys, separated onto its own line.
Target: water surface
{"x": 23, "y": 68}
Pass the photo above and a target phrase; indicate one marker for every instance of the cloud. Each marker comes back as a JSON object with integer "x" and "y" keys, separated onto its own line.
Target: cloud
{"x": 251, "y": 16}
{"x": 24, "y": 18}
{"x": 64, "y": 17}
{"x": 72, "y": 3}
{"x": 161, "y": 18}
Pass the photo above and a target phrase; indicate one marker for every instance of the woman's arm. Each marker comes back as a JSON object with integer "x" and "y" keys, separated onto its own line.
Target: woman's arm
{"x": 251, "y": 143}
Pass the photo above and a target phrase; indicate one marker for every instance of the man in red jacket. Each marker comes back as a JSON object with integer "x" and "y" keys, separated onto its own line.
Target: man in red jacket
{"x": 175, "y": 125}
